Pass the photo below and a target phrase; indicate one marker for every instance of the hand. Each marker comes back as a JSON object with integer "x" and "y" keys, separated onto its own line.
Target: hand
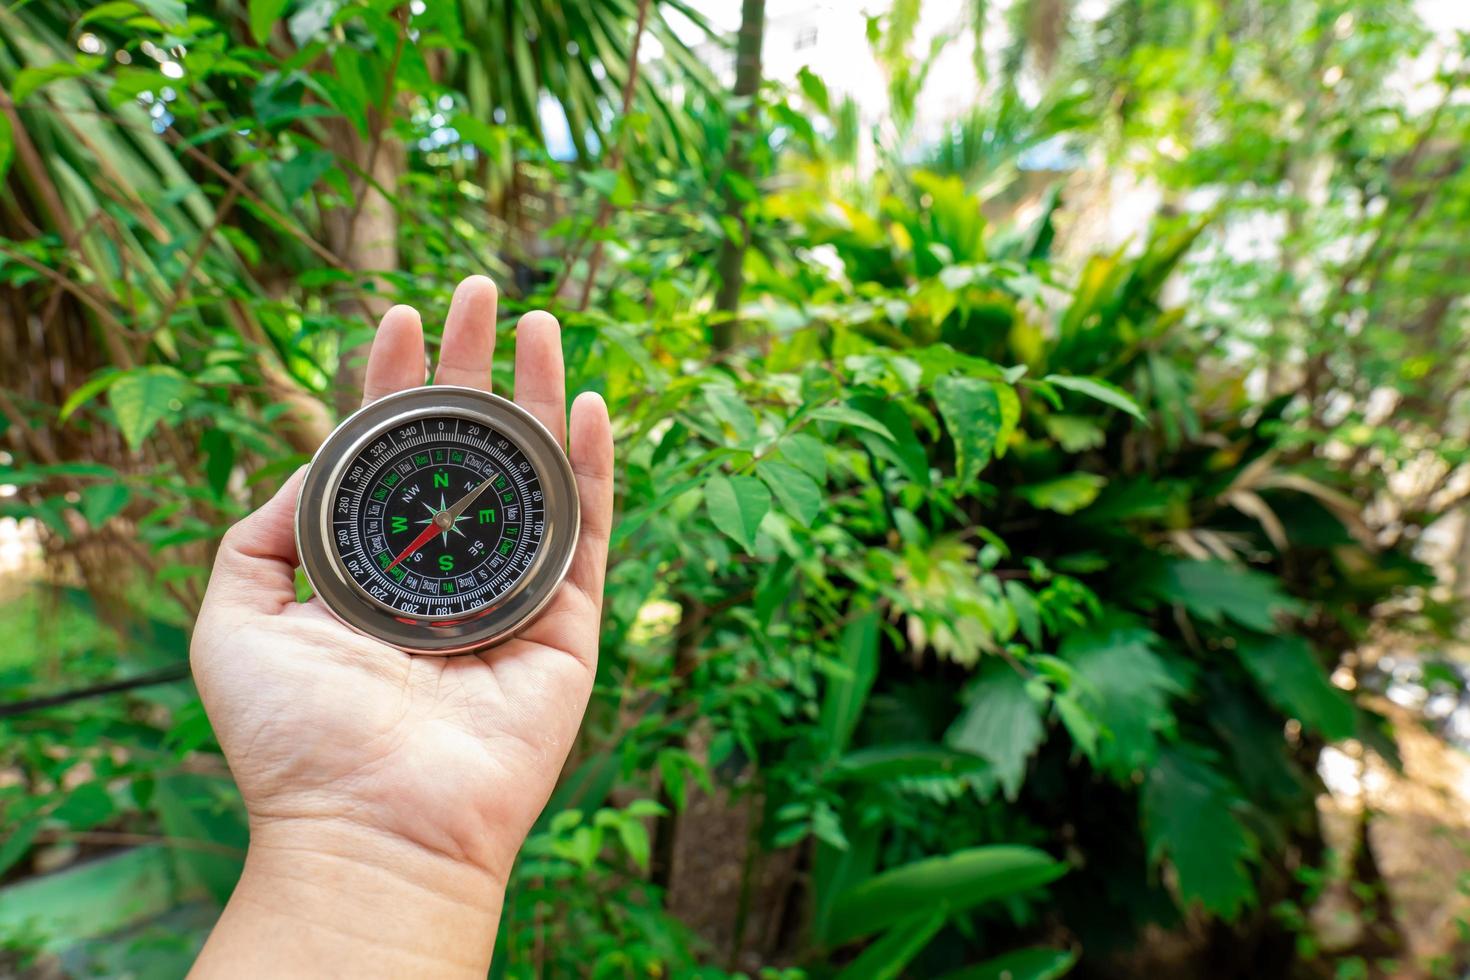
{"x": 388, "y": 794}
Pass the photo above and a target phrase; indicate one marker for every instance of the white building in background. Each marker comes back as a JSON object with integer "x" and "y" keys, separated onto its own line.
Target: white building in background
{"x": 830, "y": 38}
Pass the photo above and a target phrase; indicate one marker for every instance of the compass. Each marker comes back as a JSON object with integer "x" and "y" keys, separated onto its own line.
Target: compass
{"x": 439, "y": 519}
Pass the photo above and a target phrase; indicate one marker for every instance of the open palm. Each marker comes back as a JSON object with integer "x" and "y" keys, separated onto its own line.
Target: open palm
{"x": 323, "y": 726}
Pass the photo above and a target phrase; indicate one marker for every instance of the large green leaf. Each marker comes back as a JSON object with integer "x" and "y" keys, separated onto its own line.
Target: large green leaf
{"x": 1001, "y": 722}
{"x": 972, "y": 414}
{"x": 737, "y": 504}
{"x": 949, "y": 883}
{"x": 1190, "y": 818}
{"x": 848, "y": 687}
{"x": 885, "y": 958}
{"x": 94, "y": 898}
{"x": 1127, "y": 691}
{"x": 1034, "y": 963}
{"x": 144, "y": 397}
{"x": 1290, "y": 677}
{"x": 1213, "y": 590}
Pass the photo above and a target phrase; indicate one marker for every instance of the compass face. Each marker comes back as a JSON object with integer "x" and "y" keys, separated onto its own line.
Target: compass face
{"x": 393, "y": 489}
{"x": 440, "y": 519}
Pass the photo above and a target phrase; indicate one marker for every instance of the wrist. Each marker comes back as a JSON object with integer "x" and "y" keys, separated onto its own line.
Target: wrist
{"x": 336, "y": 897}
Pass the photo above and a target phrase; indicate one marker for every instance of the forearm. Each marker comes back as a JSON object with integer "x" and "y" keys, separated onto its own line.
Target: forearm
{"x": 341, "y": 900}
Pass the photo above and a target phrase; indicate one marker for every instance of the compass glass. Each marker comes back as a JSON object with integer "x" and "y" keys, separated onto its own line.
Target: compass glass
{"x": 438, "y": 516}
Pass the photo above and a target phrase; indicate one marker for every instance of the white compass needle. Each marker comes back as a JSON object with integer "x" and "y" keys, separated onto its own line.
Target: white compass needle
{"x": 449, "y": 518}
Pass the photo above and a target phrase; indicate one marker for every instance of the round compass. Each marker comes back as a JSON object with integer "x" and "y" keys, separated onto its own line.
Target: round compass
{"x": 439, "y": 519}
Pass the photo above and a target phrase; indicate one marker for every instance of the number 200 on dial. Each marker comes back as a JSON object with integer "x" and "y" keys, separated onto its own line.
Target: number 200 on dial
{"x": 440, "y": 519}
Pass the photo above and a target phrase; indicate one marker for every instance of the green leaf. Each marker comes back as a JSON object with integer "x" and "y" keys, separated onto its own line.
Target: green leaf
{"x": 263, "y": 17}
{"x": 1079, "y": 722}
{"x": 1010, "y": 416}
{"x": 1000, "y": 722}
{"x": 17, "y": 842}
{"x": 1033, "y": 963}
{"x": 634, "y": 837}
{"x": 885, "y": 958}
{"x": 901, "y": 446}
{"x": 219, "y": 459}
{"x": 1103, "y": 391}
{"x": 731, "y": 410}
{"x": 1213, "y": 590}
{"x": 118, "y": 10}
{"x": 737, "y": 505}
{"x": 807, "y": 452}
{"x": 814, "y": 89}
{"x": 28, "y": 80}
{"x": 299, "y": 174}
{"x": 102, "y": 501}
{"x": 490, "y": 139}
{"x": 835, "y": 870}
{"x": 973, "y": 415}
{"x": 1065, "y": 494}
{"x": 1290, "y": 677}
{"x": 852, "y": 417}
{"x": 946, "y": 884}
{"x": 882, "y": 763}
{"x": 847, "y": 691}
{"x": 169, "y": 13}
{"x": 1075, "y": 433}
{"x": 85, "y": 807}
{"x": 1126, "y": 689}
{"x": 1189, "y": 817}
{"x": 7, "y": 146}
{"x": 144, "y": 397}
{"x": 1028, "y": 613}
{"x": 799, "y": 495}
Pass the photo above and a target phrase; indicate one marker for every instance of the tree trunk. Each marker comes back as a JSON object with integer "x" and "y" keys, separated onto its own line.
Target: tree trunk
{"x": 365, "y": 237}
{"x": 737, "y": 163}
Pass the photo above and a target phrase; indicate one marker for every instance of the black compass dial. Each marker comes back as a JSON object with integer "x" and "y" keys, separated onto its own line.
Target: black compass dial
{"x": 438, "y": 517}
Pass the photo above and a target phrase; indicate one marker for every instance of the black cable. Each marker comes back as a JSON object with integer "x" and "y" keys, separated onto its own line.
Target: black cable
{"x": 163, "y": 675}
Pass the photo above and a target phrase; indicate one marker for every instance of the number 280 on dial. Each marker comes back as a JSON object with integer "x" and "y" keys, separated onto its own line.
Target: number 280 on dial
{"x": 439, "y": 520}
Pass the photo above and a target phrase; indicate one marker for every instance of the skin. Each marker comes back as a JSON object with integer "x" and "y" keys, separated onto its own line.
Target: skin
{"x": 388, "y": 794}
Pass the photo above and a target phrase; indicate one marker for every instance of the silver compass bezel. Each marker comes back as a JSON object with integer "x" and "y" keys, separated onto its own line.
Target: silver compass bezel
{"x": 440, "y": 635}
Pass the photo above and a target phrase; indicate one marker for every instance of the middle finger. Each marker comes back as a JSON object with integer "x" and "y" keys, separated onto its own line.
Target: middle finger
{"x": 468, "y": 348}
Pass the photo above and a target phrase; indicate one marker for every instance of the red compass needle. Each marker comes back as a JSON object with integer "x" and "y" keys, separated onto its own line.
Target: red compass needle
{"x": 443, "y": 521}
{"x": 424, "y": 537}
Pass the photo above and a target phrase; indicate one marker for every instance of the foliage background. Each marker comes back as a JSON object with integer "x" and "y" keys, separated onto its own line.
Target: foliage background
{"x": 988, "y": 594}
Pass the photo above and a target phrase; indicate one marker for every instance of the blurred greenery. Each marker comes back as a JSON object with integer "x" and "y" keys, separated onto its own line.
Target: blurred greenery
{"x": 986, "y": 584}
